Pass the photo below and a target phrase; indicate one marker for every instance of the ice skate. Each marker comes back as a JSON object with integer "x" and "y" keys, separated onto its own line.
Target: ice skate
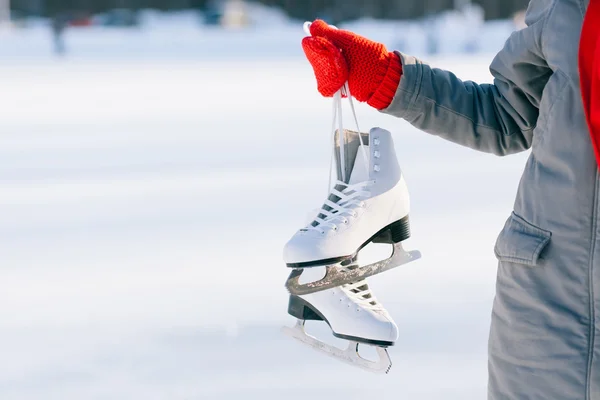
{"x": 354, "y": 314}
{"x": 369, "y": 203}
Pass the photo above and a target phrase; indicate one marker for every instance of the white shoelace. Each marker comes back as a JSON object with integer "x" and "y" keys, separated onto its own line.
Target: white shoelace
{"x": 334, "y": 213}
{"x": 361, "y": 295}
{"x": 350, "y": 197}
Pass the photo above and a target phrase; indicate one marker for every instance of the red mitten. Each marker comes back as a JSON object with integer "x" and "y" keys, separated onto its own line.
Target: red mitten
{"x": 328, "y": 63}
{"x": 337, "y": 56}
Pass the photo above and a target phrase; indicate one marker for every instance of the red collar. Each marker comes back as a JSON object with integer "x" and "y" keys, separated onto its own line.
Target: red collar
{"x": 589, "y": 72}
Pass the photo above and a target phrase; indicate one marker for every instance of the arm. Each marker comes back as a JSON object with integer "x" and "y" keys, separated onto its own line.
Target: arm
{"x": 497, "y": 118}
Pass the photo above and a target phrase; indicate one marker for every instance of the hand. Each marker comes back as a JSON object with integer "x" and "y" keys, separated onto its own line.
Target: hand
{"x": 373, "y": 73}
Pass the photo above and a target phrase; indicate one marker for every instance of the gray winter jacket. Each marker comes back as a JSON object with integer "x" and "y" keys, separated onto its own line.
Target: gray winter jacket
{"x": 545, "y": 334}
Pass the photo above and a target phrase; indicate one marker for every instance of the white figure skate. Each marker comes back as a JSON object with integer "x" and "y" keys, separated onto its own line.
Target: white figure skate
{"x": 369, "y": 203}
{"x": 352, "y": 313}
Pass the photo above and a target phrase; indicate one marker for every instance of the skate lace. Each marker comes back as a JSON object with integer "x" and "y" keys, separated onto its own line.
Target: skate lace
{"x": 333, "y": 213}
{"x": 349, "y": 197}
{"x": 361, "y": 294}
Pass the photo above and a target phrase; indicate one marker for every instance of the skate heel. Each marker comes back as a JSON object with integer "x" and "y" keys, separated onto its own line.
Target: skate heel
{"x": 302, "y": 310}
{"x": 400, "y": 230}
{"x": 395, "y": 232}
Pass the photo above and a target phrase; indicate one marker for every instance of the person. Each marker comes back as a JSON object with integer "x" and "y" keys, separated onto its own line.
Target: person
{"x": 59, "y": 24}
{"x": 544, "y": 340}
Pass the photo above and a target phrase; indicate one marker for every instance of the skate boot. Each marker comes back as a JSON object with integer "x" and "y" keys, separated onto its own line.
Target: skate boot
{"x": 369, "y": 203}
{"x": 353, "y": 313}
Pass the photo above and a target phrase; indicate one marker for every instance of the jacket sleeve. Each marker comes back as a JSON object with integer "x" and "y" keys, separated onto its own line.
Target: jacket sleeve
{"x": 497, "y": 118}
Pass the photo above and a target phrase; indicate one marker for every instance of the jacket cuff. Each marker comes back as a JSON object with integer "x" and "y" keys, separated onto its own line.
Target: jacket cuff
{"x": 384, "y": 94}
{"x": 405, "y": 97}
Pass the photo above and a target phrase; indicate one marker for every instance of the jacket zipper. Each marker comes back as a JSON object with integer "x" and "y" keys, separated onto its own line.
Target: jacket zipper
{"x": 592, "y": 309}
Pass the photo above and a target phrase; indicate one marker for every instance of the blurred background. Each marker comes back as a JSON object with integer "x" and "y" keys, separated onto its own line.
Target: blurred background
{"x": 156, "y": 156}
{"x": 125, "y": 12}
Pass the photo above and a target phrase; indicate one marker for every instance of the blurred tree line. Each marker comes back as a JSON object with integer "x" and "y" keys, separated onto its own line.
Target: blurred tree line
{"x": 334, "y": 11}
{"x": 341, "y": 10}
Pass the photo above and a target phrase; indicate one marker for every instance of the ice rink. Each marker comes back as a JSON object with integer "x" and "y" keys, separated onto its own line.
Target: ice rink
{"x": 147, "y": 188}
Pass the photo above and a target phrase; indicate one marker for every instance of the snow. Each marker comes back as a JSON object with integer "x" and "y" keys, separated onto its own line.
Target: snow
{"x": 148, "y": 183}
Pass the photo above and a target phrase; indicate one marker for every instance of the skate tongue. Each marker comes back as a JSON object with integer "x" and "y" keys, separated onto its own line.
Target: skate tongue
{"x": 361, "y": 167}
{"x": 354, "y": 162}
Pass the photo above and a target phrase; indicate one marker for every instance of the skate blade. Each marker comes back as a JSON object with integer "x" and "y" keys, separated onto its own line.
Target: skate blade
{"x": 335, "y": 277}
{"x": 349, "y": 356}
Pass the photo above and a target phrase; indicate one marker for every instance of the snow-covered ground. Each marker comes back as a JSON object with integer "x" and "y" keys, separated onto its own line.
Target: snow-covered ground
{"x": 148, "y": 183}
